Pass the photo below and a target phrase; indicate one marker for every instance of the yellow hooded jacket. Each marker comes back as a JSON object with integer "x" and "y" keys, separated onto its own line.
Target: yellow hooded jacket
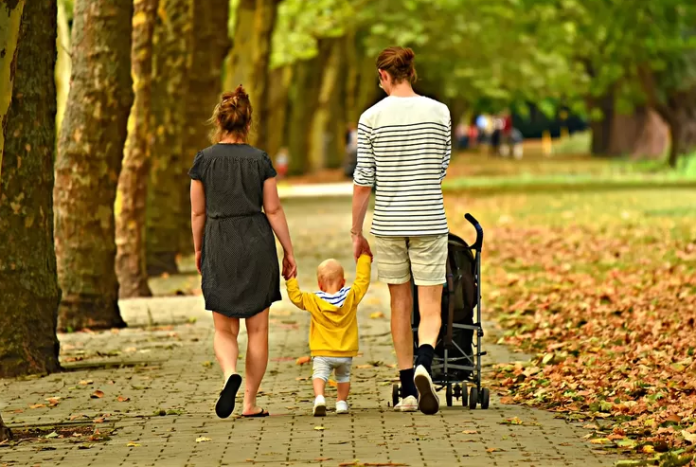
{"x": 333, "y": 331}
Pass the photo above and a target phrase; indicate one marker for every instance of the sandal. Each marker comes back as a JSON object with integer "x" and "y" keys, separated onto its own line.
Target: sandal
{"x": 225, "y": 404}
{"x": 263, "y": 413}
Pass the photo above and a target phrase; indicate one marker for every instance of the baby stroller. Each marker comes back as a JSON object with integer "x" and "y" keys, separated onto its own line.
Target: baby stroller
{"x": 456, "y": 365}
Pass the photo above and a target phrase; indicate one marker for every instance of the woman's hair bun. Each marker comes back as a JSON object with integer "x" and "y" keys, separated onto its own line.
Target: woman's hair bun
{"x": 233, "y": 114}
{"x": 398, "y": 62}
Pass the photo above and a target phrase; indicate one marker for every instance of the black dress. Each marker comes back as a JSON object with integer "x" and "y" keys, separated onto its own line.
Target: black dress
{"x": 239, "y": 264}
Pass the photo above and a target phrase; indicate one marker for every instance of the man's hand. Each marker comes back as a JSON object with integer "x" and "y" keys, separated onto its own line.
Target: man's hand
{"x": 360, "y": 246}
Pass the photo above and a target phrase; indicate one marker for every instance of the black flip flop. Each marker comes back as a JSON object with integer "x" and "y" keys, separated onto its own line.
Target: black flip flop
{"x": 225, "y": 404}
{"x": 263, "y": 413}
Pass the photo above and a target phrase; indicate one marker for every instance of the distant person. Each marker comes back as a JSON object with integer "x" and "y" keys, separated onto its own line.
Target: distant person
{"x": 282, "y": 163}
{"x": 404, "y": 146}
{"x": 235, "y": 210}
{"x": 462, "y": 137}
{"x": 333, "y": 331}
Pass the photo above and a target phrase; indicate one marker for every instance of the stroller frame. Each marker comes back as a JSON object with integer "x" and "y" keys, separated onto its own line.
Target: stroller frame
{"x": 455, "y": 358}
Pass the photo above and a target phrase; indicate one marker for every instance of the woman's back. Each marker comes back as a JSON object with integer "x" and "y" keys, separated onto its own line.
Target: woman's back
{"x": 233, "y": 176}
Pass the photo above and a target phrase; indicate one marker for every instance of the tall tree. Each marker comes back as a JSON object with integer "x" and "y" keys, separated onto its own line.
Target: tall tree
{"x": 28, "y": 282}
{"x": 250, "y": 57}
{"x": 279, "y": 84}
{"x": 132, "y": 186}
{"x": 171, "y": 64}
{"x": 90, "y": 151}
{"x": 210, "y": 48}
{"x": 63, "y": 64}
{"x": 10, "y": 19}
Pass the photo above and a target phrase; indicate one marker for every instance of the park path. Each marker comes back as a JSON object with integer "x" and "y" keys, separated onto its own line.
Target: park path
{"x": 151, "y": 389}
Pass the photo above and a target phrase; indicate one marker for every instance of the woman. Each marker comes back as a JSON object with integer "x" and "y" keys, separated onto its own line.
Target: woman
{"x": 235, "y": 248}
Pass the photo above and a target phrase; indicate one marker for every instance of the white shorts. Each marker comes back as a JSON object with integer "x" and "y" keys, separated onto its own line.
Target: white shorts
{"x": 424, "y": 257}
{"x": 323, "y": 366}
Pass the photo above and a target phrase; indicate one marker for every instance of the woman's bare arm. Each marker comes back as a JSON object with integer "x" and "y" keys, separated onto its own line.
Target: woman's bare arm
{"x": 197, "y": 213}
{"x": 276, "y": 215}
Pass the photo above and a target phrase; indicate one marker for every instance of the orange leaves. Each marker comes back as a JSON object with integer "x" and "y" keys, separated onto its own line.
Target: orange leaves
{"x": 97, "y": 394}
{"x": 303, "y": 360}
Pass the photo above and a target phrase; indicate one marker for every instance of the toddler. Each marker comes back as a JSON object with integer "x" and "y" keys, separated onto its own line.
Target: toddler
{"x": 333, "y": 332}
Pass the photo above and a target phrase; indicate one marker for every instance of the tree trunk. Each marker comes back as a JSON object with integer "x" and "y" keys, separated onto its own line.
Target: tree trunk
{"x": 279, "y": 84}
{"x": 306, "y": 83}
{"x": 172, "y": 56}
{"x": 250, "y": 57}
{"x": 5, "y": 432}
{"x": 10, "y": 19}
{"x": 639, "y": 134}
{"x": 90, "y": 151}
{"x": 352, "y": 78}
{"x": 63, "y": 64}
{"x": 682, "y": 132}
{"x": 28, "y": 283}
{"x": 322, "y": 128}
{"x": 601, "y": 129}
{"x": 204, "y": 88}
{"x": 132, "y": 185}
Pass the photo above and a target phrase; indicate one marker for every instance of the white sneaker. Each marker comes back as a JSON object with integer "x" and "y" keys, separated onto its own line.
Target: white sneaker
{"x": 428, "y": 402}
{"x": 319, "y": 406}
{"x": 341, "y": 407}
{"x": 408, "y": 404}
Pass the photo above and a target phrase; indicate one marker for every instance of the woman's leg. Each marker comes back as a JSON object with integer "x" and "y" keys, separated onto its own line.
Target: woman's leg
{"x": 225, "y": 343}
{"x": 256, "y": 358}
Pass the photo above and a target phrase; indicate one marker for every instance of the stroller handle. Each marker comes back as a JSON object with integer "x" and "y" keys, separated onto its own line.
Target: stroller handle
{"x": 479, "y": 231}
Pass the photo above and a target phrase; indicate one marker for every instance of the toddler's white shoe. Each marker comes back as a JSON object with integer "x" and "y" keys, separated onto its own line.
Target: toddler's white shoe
{"x": 319, "y": 406}
{"x": 408, "y": 404}
{"x": 341, "y": 407}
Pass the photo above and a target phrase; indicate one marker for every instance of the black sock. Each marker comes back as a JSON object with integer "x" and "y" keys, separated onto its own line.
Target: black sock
{"x": 424, "y": 356}
{"x": 408, "y": 387}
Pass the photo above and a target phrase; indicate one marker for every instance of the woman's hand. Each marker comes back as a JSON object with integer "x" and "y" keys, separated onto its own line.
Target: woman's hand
{"x": 289, "y": 266}
{"x": 199, "y": 255}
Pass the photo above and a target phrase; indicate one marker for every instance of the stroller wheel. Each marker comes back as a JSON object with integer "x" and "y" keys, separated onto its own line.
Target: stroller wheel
{"x": 395, "y": 394}
{"x": 457, "y": 391}
{"x": 465, "y": 396}
{"x": 448, "y": 395}
{"x": 473, "y": 397}
{"x": 485, "y": 398}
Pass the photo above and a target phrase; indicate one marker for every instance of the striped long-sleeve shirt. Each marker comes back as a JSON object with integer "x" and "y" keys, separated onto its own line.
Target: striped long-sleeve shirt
{"x": 404, "y": 147}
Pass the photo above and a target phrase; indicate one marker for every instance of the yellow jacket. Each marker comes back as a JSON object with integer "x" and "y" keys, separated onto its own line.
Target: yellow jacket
{"x": 333, "y": 331}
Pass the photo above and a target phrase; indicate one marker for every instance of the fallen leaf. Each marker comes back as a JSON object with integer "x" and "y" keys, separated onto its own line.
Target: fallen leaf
{"x": 690, "y": 437}
{"x": 37, "y": 406}
{"x": 303, "y": 360}
{"x": 132, "y": 445}
{"x": 600, "y": 441}
{"x": 332, "y": 383}
{"x": 98, "y": 420}
{"x": 376, "y": 315}
{"x": 202, "y": 439}
{"x": 86, "y": 382}
{"x": 53, "y": 401}
{"x": 123, "y": 399}
{"x": 494, "y": 450}
{"x": 648, "y": 449}
{"x": 470, "y": 432}
{"x": 319, "y": 428}
{"x": 207, "y": 364}
{"x": 97, "y": 394}
{"x": 76, "y": 416}
{"x": 52, "y": 435}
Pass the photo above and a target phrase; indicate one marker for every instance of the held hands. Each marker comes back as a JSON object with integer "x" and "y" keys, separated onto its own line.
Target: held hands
{"x": 289, "y": 266}
{"x": 360, "y": 246}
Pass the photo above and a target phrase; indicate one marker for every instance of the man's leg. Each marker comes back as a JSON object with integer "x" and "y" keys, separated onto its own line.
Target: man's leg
{"x": 429, "y": 266}
{"x": 394, "y": 268}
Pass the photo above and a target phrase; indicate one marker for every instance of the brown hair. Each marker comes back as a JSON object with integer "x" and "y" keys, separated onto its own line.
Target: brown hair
{"x": 232, "y": 115}
{"x": 398, "y": 62}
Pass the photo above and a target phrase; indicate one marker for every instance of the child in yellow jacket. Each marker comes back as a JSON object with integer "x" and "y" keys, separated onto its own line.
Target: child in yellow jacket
{"x": 333, "y": 332}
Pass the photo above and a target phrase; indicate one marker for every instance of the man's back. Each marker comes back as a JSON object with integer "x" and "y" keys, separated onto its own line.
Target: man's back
{"x": 404, "y": 146}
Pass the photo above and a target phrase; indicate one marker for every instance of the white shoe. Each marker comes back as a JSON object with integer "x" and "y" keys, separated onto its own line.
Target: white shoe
{"x": 319, "y": 406}
{"x": 408, "y": 404}
{"x": 341, "y": 407}
{"x": 428, "y": 402}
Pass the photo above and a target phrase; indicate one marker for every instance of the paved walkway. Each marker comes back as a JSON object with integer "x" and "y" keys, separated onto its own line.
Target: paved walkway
{"x": 151, "y": 388}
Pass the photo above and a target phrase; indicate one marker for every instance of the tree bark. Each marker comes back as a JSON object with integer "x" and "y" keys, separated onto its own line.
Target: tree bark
{"x": 10, "y": 19}
{"x": 322, "y": 130}
{"x": 601, "y": 129}
{"x": 209, "y": 48}
{"x": 63, "y": 64}
{"x": 639, "y": 134}
{"x": 368, "y": 88}
{"x": 306, "y": 87}
{"x": 250, "y": 57}
{"x": 90, "y": 151}
{"x": 682, "y": 132}
{"x": 171, "y": 65}
{"x": 28, "y": 283}
{"x": 5, "y": 432}
{"x": 279, "y": 84}
{"x": 132, "y": 185}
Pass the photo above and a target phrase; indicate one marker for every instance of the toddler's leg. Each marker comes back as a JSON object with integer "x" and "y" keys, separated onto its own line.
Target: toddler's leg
{"x": 322, "y": 370}
{"x": 343, "y": 380}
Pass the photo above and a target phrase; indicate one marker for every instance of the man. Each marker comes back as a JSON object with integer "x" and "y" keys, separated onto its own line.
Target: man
{"x": 404, "y": 147}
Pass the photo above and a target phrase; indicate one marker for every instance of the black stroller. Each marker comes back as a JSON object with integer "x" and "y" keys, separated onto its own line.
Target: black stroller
{"x": 456, "y": 365}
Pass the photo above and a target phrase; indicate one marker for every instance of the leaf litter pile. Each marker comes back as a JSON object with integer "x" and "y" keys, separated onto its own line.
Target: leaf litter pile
{"x": 601, "y": 287}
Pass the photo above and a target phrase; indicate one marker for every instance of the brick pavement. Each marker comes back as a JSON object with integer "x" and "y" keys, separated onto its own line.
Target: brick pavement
{"x": 164, "y": 364}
